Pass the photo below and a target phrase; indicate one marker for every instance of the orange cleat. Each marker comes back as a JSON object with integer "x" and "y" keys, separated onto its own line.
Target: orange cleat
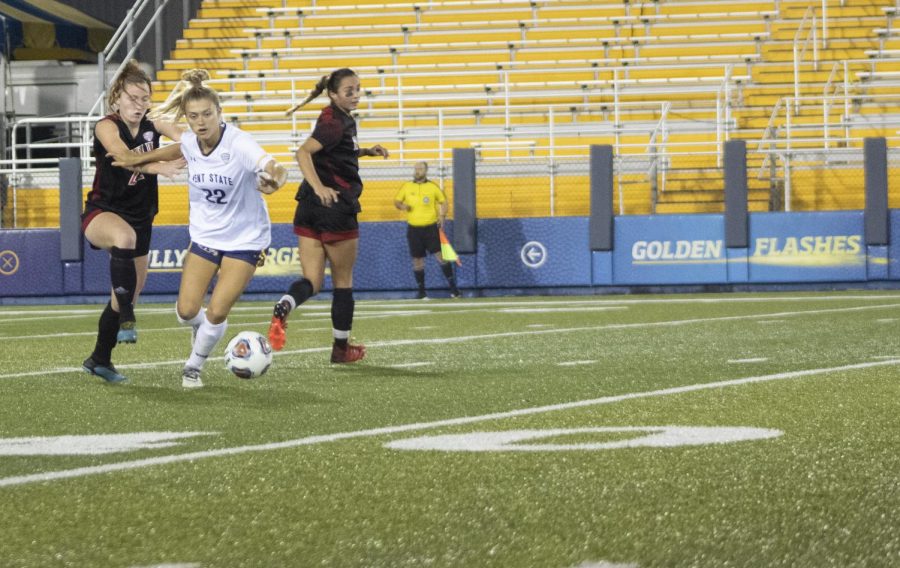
{"x": 347, "y": 354}
{"x": 277, "y": 333}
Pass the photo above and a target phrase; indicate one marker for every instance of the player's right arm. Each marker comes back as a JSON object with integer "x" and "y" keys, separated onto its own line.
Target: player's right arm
{"x": 400, "y": 199}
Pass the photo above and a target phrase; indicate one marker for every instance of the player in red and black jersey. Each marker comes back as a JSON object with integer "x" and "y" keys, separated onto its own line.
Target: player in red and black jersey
{"x": 119, "y": 211}
{"x": 325, "y": 219}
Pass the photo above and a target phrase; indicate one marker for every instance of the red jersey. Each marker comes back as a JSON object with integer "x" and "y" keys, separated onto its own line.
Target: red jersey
{"x": 132, "y": 196}
{"x": 337, "y": 163}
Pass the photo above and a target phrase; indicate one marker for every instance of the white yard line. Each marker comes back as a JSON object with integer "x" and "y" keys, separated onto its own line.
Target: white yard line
{"x": 574, "y": 363}
{"x": 561, "y": 310}
{"x": 750, "y": 360}
{"x": 373, "y": 432}
{"x": 464, "y": 338}
{"x": 411, "y": 365}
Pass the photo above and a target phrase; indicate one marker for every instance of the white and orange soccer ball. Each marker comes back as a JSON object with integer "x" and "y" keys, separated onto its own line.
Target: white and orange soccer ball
{"x": 248, "y": 355}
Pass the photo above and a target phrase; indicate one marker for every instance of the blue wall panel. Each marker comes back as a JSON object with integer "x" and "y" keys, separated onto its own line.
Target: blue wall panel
{"x": 29, "y": 263}
{"x": 512, "y": 253}
{"x": 670, "y": 249}
{"x": 894, "y": 248}
{"x": 517, "y": 253}
{"x": 807, "y": 247}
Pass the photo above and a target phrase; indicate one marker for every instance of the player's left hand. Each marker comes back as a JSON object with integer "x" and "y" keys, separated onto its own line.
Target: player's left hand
{"x": 379, "y": 150}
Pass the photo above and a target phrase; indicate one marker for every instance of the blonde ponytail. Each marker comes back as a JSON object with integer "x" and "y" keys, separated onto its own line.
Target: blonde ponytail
{"x": 190, "y": 88}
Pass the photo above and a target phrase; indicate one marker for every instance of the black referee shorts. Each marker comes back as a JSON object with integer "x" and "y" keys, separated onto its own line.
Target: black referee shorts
{"x": 422, "y": 240}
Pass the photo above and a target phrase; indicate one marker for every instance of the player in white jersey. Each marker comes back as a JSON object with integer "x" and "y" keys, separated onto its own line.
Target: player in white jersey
{"x": 229, "y": 221}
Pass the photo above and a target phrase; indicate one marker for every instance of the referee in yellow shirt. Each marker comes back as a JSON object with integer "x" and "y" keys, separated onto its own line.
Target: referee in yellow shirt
{"x": 426, "y": 210}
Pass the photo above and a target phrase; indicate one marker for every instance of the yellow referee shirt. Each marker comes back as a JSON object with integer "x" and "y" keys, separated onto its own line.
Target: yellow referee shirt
{"x": 423, "y": 200}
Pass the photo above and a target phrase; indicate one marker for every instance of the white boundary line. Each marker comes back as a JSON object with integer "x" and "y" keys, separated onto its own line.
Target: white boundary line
{"x": 372, "y": 432}
{"x": 323, "y": 305}
{"x": 464, "y": 338}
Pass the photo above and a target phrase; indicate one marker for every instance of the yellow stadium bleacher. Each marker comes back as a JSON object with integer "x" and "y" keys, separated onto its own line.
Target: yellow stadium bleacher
{"x": 452, "y": 73}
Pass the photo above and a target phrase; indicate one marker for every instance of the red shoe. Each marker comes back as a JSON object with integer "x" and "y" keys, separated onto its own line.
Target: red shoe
{"x": 347, "y": 354}
{"x": 277, "y": 333}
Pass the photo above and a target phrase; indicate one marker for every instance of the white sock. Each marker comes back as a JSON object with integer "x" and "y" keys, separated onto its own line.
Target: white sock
{"x": 340, "y": 334}
{"x": 290, "y": 300}
{"x": 208, "y": 334}
{"x": 194, "y": 321}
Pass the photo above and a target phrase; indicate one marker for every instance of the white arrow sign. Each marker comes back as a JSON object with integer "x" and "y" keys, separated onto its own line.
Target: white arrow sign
{"x": 533, "y": 254}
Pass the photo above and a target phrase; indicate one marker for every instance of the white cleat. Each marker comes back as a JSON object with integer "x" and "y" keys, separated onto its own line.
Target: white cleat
{"x": 190, "y": 378}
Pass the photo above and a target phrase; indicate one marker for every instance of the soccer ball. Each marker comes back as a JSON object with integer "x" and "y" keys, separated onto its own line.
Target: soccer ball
{"x": 248, "y": 355}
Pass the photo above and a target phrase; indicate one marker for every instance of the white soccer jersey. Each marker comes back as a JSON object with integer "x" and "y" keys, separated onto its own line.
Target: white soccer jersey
{"x": 227, "y": 211}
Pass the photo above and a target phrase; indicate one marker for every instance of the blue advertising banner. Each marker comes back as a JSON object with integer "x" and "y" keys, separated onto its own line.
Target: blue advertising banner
{"x": 383, "y": 262}
{"x": 29, "y": 263}
{"x": 807, "y": 247}
{"x": 533, "y": 252}
{"x": 894, "y": 248}
{"x": 512, "y": 253}
{"x": 669, "y": 249}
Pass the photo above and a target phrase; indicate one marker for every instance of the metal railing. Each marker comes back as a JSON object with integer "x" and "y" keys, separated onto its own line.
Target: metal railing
{"x": 125, "y": 32}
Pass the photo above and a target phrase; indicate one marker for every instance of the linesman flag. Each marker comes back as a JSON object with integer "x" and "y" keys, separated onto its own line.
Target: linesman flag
{"x": 447, "y": 252}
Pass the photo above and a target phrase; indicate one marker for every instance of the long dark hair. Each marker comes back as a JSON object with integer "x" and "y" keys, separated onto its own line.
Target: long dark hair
{"x": 330, "y": 82}
{"x": 131, "y": 74}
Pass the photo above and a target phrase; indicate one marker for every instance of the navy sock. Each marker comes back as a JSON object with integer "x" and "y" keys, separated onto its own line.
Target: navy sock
{"x": 301, "y": 290}
{"x": 342, "y": 305}
{"x": 124, "y": 280}
{"x": 420, "y": 279}
{"x": 447, "y": 268}
{"x": 107, "y": 329}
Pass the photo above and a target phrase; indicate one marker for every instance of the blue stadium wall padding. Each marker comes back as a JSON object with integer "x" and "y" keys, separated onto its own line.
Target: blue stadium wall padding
{"x": 738, "y": 266}
{"x": 877, "y": 262}
{"x": 894, "y": 248}
{"x": 670, "y": 249}
{"x": 602, "y": 268}
{"x": 525, "y": 253}
{"x": 29, "y": 263}
{"x": 536, "y": 253}
{"x": 807, "y": 247}
{"x": 73, "y": 277}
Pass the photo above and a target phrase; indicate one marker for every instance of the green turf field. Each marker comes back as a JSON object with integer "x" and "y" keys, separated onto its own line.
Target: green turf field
{"x": 632, "y": 431}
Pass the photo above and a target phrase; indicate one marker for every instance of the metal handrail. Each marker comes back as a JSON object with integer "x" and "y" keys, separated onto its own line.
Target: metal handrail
{"x": 124, "y": 31}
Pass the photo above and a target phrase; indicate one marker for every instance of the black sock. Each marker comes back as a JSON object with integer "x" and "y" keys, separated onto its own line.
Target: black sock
{"x": 124, "y": 280}
{"x": 447, "y": 268}
{"x": 107, "y": 329}
{"x": 301, "y": 290}
{"x": 420, "y": 279}
{"x": 342, "y": 305}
